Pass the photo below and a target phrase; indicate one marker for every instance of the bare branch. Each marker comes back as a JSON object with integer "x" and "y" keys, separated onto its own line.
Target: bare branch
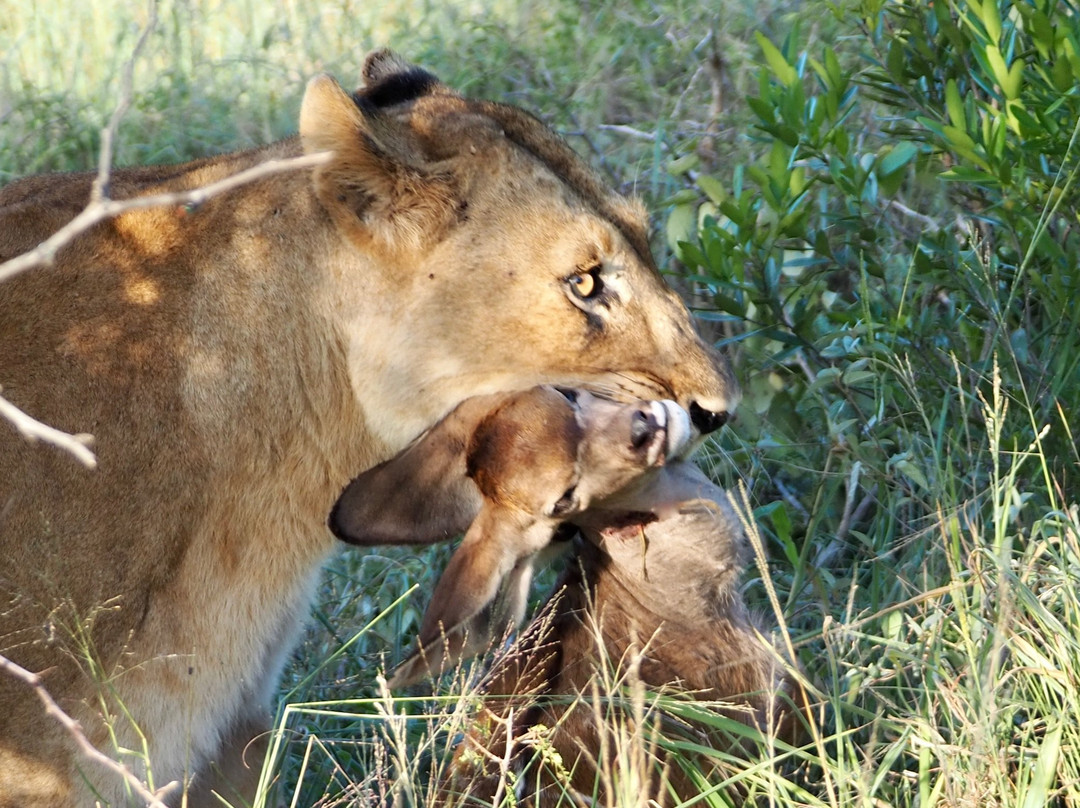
{"x": 630, "y": 131}
{"x": 33, "y": 430}
{"x": 107, "y": 208}
{"x": 152, "y": 799}
{"x": 99, "y": 210}
{"x": 924, "y": 220}
{"x": 100, "y": 188}
{"x": 101, "y": 207}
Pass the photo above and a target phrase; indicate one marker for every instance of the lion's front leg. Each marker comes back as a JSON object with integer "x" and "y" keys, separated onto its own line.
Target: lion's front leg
{"x": 234, "y": 773}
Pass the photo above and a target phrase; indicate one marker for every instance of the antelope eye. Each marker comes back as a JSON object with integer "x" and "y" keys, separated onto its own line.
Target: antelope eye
{"x": 566, "y": 503}
{"x": 586, "y": 284}
{"x": 568, "y": 393}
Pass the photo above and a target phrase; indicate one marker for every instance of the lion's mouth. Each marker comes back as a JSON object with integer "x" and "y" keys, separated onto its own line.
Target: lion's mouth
{"x": 664, "y": 431}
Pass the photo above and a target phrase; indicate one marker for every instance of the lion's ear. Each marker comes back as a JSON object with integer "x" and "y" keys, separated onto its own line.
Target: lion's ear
{"x": 384, "y": 63}
{"x": 378, "y": 186}
{"x": 329, "y": 118}
{"x": 422, "y": 495}
{"x": 390, "y": 80}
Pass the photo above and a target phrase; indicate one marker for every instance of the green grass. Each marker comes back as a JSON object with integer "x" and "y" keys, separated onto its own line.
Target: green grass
{"x": 907, "y": 439}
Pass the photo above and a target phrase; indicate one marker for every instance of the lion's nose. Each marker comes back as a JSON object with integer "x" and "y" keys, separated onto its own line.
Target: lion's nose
{"x": 705, "y": 420}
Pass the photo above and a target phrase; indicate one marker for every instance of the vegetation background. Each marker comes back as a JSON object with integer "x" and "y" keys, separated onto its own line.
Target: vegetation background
{"x": 872, "y": 204}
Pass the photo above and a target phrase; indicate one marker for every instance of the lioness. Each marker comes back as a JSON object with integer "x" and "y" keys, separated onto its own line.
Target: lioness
{"x": 240, "y": 362}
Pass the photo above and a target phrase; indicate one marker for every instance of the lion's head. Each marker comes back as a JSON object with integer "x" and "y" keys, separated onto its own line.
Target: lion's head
{"x": 499, "y": 259}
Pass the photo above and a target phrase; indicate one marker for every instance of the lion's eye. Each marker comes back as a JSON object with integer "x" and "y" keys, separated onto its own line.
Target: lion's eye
{"x": 586, "y": 285}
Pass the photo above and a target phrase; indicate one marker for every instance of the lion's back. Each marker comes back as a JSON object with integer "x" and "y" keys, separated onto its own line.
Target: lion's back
{"x": 35, "y": 207}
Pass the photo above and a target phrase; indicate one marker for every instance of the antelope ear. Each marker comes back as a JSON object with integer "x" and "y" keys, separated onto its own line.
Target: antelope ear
{"x": 378, "y": 186}
{"x": 481, "y": 594}
{"x": 421, "y": 496}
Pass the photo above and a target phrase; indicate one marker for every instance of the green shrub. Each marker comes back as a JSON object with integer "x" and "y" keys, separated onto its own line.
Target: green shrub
{"x": 895, "y": 270}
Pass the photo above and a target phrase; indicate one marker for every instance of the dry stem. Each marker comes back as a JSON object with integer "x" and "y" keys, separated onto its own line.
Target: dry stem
{"x": 99, "y": 208}
{"x": 105, "y": 208}
{"x": 33, "y": 430}
{"x": 152, "y": 799}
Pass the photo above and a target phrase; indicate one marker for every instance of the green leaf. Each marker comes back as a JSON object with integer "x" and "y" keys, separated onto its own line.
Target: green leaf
{"x": 1039, "y": 27}
{"x": 1042, "y": 779}
{"x": 763, "y": 109}
{"x": 991, "y": 17}
{"x": 798, "y": 181}
{"x": 1071, "y": 52}
{"x": 779, "y": 161}
{"x": 896, "y": 61}
{"x": 713, "y": 188}
{"x": 832, "y": 67}
{"x": 967, "y": 174}
{"x": 733, "y": 212}
{"x": 730, "y": 305}
{"x": 681, "y": 165}
{"x": 955, "y": 105}
{"x": 964, "y": 145}
{"x": 857, "y": 377}
{"x": 891, "y": 625}
{"x": 932, "y": 125}
{"x": 821, "y": 244}
{"x": 997, "y": 65}
{"x": 912, "y": 471}
{"x": 681, "y": 225}
{"x": 682, "y": 197}
{"x": 783, "y": 71}
{"x": 781, "y": 522}
{"x": 788, "y": 135}
{"x": 691, "y": 255}
{"x": 898, "y": 156}
{"x": 824, "y": 378}
{"x": 1014, "y": 79}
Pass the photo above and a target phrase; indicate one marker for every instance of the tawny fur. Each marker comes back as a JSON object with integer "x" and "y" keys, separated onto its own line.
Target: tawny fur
{"x": 240, "y": 362}
{"x": 507, "y": 470}
{"x": 659, "y": 597}
{"x": 655, "y": 586}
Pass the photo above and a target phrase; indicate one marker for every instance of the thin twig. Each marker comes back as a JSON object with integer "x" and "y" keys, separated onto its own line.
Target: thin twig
{"x": 152, "y": 799}
{"x": 34, "y": 430}
{"x": 29, "y": 427}
{"x": 100, "y": 188}
{"x": 791, "y": 499}
{"x": 108, "y": 208}
{"x": 630, "y": 131}
{"x": 922, "y": 218}
{"x": 507, "y": 758}
{"x": 851, "y": 516}
{"x": 101, "y": 207}
{"x": 97, "y": 211}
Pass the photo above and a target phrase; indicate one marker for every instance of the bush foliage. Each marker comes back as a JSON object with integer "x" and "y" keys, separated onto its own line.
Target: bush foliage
{"x": 895, "y": 267}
